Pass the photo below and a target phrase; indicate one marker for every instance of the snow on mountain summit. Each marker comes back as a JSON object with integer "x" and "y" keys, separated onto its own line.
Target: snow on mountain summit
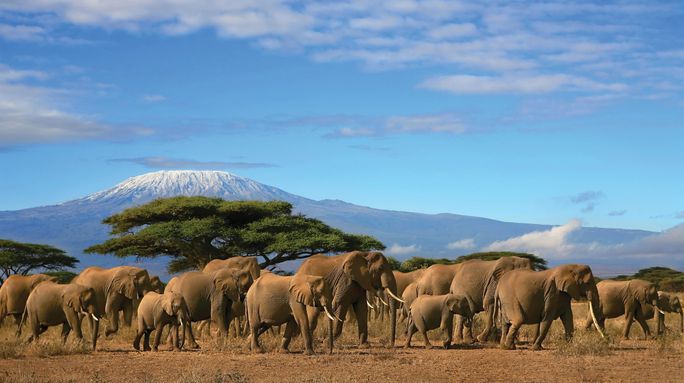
{"x": 171, "y": 183}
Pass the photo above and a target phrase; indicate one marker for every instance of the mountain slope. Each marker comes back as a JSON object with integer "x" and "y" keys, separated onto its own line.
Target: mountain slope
{"x": 75, "y": 225}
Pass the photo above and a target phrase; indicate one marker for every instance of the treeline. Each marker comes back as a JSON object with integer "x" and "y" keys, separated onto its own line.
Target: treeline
{"x": 665, "y": 278}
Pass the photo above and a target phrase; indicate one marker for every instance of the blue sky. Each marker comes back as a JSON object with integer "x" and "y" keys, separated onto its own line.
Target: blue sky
{"x": 526, "y": 112}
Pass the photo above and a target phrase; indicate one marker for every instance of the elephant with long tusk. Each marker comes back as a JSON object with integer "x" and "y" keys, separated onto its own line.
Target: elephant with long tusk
{"x": 274, "y": 300}
{"x": 634, "y": 299}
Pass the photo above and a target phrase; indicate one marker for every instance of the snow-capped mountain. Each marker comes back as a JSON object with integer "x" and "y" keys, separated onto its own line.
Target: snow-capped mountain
{"x": 75, "y": 225}
{"x": 145, "y": 187}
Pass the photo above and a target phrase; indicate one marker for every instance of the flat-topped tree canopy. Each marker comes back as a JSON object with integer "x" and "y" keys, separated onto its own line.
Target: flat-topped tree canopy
{"x": 195, "y": 230}
{"x": 23, "y": 258}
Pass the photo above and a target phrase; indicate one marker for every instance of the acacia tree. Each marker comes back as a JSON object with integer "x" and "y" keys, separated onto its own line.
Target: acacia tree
{"x": 23, "y": 258}
{"x": 194, "y": 230}
{"x": 538, "y": 263}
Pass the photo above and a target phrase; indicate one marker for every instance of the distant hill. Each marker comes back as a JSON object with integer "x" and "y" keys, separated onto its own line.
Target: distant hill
{"x": 75, "y": 225}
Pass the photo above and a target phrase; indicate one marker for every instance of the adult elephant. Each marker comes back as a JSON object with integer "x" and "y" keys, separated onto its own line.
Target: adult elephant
{"x": 246, "y": 264}
{"x": 51, "y": 304}
{"x": 210, "y": 296}
{"x": 14, "y": 293}
{"x": 531, "y": 297}
{"x": 476, "y": 280}
{"x": 436, "y": 279}
{"x": 116, "y": 289}
{"x": 274, "y": 300}
{"x": 349, "y": 276}
{"x": 628, "y": 298}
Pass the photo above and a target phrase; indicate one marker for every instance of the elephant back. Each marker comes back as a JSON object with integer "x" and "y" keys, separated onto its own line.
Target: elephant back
{"x": 437, "y": 279}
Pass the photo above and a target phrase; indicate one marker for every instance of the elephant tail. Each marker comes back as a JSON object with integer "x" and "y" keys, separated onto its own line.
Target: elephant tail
{"x": 23, "y": 318}
{"x": 498, "y": 315}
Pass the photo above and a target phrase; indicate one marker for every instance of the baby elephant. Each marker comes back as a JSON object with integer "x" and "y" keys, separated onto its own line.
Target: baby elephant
{"x": 155, "y": 312}
{"x": 429, "y": 312}
{"x": 51, "y": 304}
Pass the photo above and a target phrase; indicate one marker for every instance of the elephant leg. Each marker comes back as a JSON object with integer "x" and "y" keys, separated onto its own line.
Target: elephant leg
{"x": 287, "y": 335}
{"x": 146, "y": 341}
{"x": 157, "y": 337}
{"x": 629, "y": 318}
{"x": 255, "y": 332}
{"x": 535, "y": 332}
{"x": 644, "y": 326}
{"x": 95, "y": 329}
{"x": 312, "y": 314}
{"x": 543, "y": 330}
{"x": 74, "y": 321}
{"x": 300, "y": 316}
{"x": 189, "y": 335}
{"x": 459, "y": 329}
{"x": 512, "y": 332}
{"x": 66, "y": 329}
{"x": 128, "y": 314}
{"x": 361, "y": 311}
{"x": 139, "y": 334}
{"x": 488, "y": 321}
{"x": 568, "y": 324}
{"x": 113, "y": 325}
{"x": 341, "y": 313}
{"x": 660, "y": 323}
{"x": 426, "y": 340}
{"x": 410, "y": 330}
{"x": 448, "y": 330}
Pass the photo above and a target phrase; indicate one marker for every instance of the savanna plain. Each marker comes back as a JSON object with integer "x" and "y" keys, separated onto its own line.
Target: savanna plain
{"x": 586, "y": 358}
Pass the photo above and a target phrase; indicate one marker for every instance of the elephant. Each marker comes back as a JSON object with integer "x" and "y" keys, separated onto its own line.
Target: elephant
{"x": 116, "y": 289}
{"x": 349, "y": 277}
{"x": 668, "y": 303}
{"x": 476, "y": 280}
{"x": 429, "y": 312}
{"x": 629, "y": 298}
{"x": 531, "y": 297}
{"x": 274, "y": 300}
{"x": 14, "y": 293}
{"x": 436, "y": 279}
{"x": 210, "y": 296}
{"x": 52, "y": 304}
{"x": 156, "y": 285}
{"x": 155, "y": 312}
{"x": 246, "y": 264}
{"x": 408, "y": 296}
{"x": 405, "y": 279}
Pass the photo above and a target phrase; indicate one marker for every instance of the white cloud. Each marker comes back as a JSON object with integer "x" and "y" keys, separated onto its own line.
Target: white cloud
{"x": 516, "y": 84}
{"x": 462, "y": 244}
{"x": 153, "y": 98}
{"x": 493, "y": 38}
{"x": 394, "y": 125}
{"x": 397, "y": 249}
{"x": 548, "y": 243}
{"x": 32, "y": 114}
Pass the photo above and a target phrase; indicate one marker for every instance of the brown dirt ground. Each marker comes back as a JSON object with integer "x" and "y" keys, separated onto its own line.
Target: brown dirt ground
{"x": 586, "y": 359}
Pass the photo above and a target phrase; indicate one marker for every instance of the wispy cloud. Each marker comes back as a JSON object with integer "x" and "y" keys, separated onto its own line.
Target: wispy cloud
{"x": 396, "y": 125}
{"x": 397, "y": 249}
{"x": 462, "y": 244}
{"x": 175, "y": 163}
{"x": 153, "y": 98}
{"x": 489, "y": 46}
{"x": 31, "y": 114}
{"x": 588, "y": 200}
{"x": 617, "y": 213}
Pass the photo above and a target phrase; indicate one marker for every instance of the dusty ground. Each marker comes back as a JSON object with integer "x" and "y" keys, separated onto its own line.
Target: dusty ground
{"x": 586, "y": 359}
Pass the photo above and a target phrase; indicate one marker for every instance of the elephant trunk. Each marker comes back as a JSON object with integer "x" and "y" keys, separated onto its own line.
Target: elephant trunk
{"x": 220, "y": 307}
{"x": 681, "y": 320}
{"x": 330, "y": 335}
{"x": 389, "y": 284}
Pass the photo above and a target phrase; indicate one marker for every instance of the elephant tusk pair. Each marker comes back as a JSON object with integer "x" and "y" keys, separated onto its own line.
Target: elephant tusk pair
{"x": 394, "y": 296}
{"x": 328, "y": 314}
{"x": 593, "y": 318}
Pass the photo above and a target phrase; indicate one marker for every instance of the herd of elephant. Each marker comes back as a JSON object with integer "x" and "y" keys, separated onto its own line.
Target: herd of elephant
{"x": 508, "y": 291}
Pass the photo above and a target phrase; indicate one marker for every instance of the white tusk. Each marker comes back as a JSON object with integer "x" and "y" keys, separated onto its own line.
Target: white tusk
{"x": 593, "y": 317}
{"x": 394, "y": 296}
{"x": 338, "y": 318}
{"x": 383, "y": 302}
{"x": 94, "y": 317}
{"x": 328, "y": 313}
{"x": 661, "y": 311}
{"x": 181, "y": 321}
{"x": 370, "y": 305}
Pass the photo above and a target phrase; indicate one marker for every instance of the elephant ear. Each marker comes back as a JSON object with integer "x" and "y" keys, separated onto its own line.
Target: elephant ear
{"x": 640, "y": 293}
{"x": 125, "y": 286}
{"x": 567, "y": 281}
{"x": 72, "y": 299}
{"x": 303, "y": 289}
{"x": 167, "y": 304}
